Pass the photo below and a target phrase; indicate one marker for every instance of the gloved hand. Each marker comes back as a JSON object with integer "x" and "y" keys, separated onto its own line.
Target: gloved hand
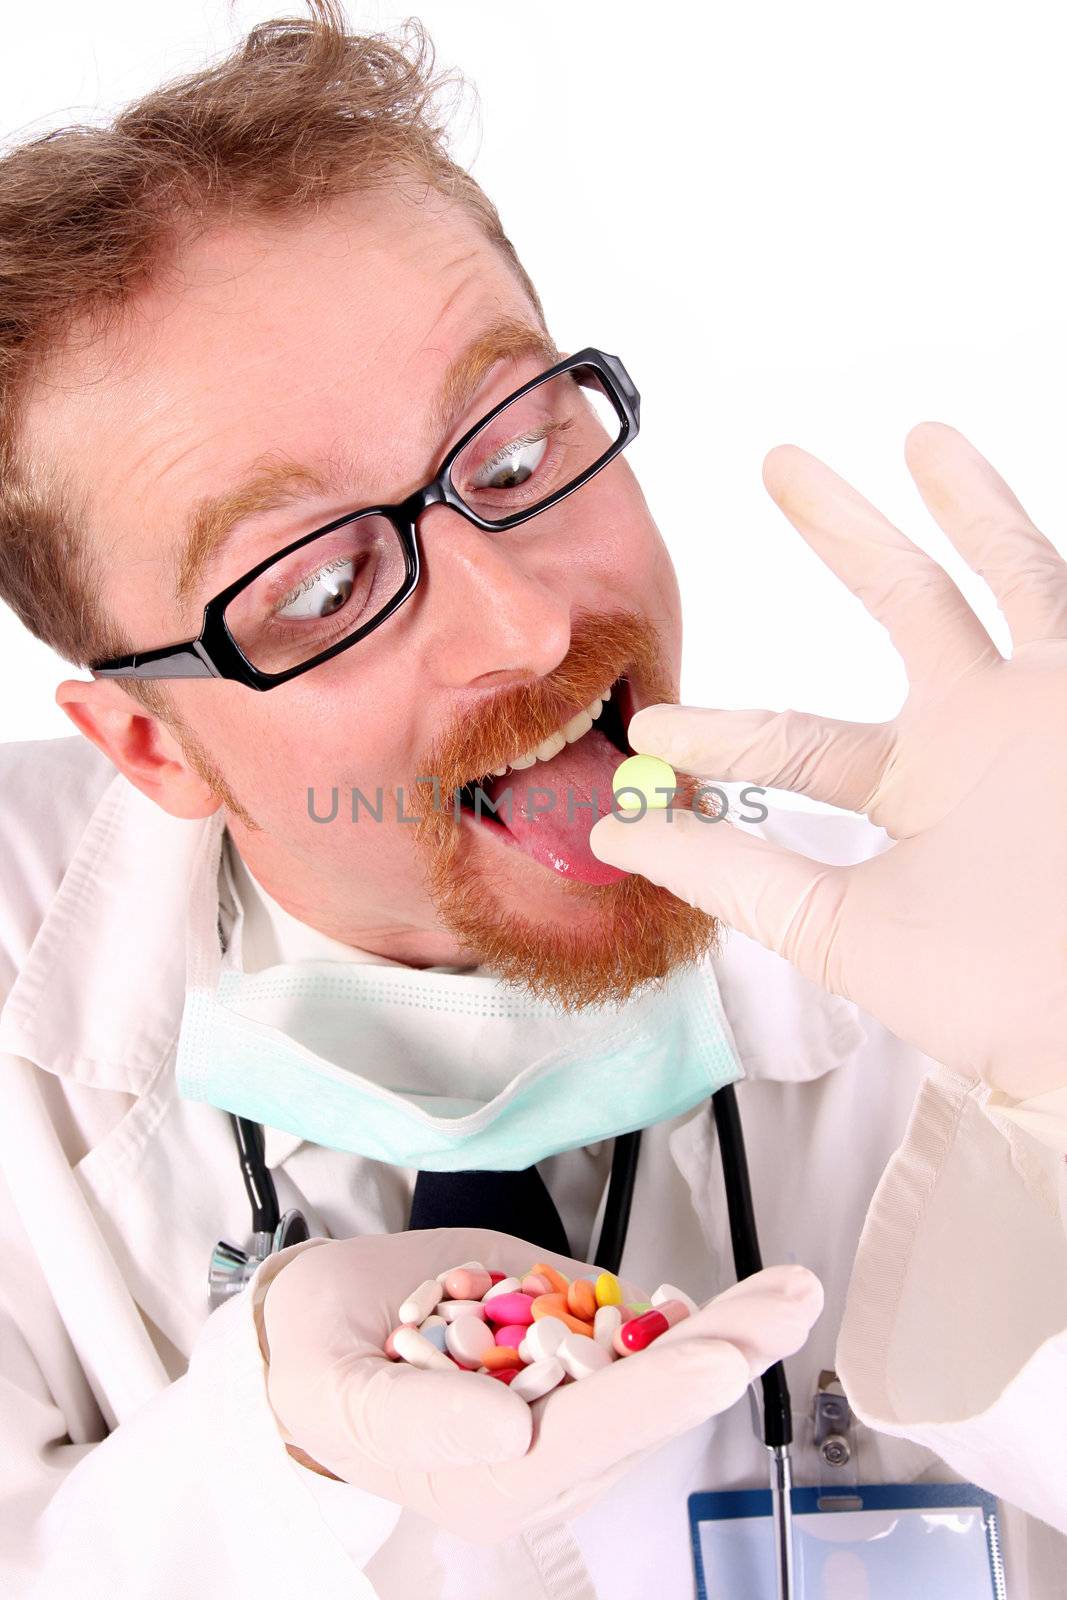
{"x": 956, "y": 936}
{"x": 459, "y": 1448}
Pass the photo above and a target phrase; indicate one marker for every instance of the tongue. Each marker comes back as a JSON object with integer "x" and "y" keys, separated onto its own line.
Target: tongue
{"x": 554, "y": 805}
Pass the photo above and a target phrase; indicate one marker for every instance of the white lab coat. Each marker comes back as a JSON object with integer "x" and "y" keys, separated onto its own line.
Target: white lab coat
{"x": 138, "y": 1452}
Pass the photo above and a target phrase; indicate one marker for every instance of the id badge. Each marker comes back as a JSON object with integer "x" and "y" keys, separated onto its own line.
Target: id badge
{"x": 877, "y": 1542}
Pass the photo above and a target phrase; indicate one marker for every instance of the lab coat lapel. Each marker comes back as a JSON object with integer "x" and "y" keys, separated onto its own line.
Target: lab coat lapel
{"x": 164, "y": 1186}
{"x": 99, "y": 1000}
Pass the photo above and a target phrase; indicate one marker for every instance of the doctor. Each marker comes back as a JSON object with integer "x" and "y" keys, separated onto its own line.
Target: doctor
{"x": 205, "y": 377}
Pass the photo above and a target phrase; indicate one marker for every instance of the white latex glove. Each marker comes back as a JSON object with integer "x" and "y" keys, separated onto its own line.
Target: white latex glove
{"x": 458, "y": 1447}
{"x": 955, "y": 937}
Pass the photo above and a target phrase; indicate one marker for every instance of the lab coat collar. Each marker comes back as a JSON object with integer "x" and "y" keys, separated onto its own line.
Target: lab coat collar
{"x": 99, "y": 997}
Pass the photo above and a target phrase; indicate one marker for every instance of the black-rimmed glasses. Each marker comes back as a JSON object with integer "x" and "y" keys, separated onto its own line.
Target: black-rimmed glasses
{"x": 328, "y": 590}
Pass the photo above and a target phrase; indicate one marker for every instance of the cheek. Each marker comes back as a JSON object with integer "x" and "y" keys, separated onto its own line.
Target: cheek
{"x": 293, "y": 761}
{"x": 285, "y": 751}
{"x": 616, "y": 546}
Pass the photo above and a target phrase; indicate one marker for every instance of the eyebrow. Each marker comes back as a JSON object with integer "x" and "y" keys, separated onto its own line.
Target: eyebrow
{"x": 273, "y": 483}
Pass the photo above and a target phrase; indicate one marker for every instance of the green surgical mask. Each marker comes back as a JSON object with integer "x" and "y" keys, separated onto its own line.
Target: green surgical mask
{"x": 439, "y": 1071}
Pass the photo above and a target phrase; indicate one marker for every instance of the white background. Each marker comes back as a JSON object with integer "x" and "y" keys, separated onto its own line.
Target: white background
{"x": 816, "y": 223}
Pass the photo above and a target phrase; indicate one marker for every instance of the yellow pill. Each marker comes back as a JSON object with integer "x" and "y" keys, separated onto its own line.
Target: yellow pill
{"x": 607, "y": 1289}
{"x": 646, "y": 774}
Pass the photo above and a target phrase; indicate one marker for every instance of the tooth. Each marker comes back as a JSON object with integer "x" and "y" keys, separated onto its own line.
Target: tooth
{"x": 594, "y": 708}
{"x": 498, "y": 772}
{"x": 549, "y": 747}
{"x": 580, "y": 723}
{"x": 521, "y": 762}
{"x": 607, "y": 693}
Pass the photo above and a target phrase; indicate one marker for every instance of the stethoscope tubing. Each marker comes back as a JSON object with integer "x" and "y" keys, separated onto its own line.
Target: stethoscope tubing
{"x": 258, "y": 1182}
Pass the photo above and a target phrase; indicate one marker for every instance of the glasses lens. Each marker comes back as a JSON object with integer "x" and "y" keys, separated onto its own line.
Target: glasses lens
{"x": 538, "y": 445}
{"x": 318, "y": 594}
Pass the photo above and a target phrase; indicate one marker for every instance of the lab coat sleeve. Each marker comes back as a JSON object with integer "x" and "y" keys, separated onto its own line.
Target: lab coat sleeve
{"x": 955, "y": 1326}
{"x": 193, "y": 1494}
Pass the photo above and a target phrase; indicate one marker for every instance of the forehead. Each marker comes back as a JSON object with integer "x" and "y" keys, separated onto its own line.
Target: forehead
{"x": 319, "y": 333}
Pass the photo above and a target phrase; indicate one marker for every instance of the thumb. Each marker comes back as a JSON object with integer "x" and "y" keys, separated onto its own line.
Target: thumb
{"x": 786, "y": 901}
{"x": 369, "y": 1420}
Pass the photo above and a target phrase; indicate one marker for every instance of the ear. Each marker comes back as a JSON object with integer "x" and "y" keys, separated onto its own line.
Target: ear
{"x": 142, "y": 747}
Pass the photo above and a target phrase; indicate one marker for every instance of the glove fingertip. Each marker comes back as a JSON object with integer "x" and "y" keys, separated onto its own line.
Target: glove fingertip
{"x": 657, "y": 730}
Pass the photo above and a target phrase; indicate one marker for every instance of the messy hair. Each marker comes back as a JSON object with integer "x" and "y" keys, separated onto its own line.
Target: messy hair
{"x": 301, "y": 110}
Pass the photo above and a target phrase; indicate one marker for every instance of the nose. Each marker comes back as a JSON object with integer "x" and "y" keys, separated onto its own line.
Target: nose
{"x": 496, "y": 617}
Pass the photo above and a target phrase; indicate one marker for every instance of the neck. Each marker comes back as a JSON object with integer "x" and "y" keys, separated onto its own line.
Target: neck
{"x": 299, "y": 894}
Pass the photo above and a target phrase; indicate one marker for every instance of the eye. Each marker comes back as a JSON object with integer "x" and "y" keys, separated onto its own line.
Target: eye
{"x": 322, "y": 592}
{"x": 513, "y": 464}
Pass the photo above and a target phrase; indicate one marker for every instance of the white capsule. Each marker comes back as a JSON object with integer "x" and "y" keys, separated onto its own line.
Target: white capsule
{"x": 543, "y": 1336}
{"x": 412, "y": 1346}
{"x": 505, "y": 1286}
{"x": 606, "y": 1323}
{"x": 581, "y": 1357}
{"x": 536, "y": 1380}
{"x": 667, "y": 1291}
{"x": 549, "y": 747}
{"x": 419, "y": 1304}
{"x": 578, "y": 725}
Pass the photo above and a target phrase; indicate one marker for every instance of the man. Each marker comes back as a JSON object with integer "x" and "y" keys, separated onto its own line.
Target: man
{"x": 251, "y": 337}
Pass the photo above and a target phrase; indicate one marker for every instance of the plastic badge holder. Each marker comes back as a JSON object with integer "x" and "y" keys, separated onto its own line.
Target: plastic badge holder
{"x": 879, "y": 1542}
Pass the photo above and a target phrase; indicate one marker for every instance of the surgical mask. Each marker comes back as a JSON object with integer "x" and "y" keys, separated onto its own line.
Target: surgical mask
{"x": 440, "y": 1071}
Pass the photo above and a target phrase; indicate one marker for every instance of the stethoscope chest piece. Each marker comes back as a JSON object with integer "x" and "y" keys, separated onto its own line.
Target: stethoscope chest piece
{"x": 231, "y": 1268}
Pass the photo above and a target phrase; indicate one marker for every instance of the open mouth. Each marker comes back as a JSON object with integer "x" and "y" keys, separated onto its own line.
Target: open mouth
{"x": 547, "y": 806}
{"x": 612, "y": 722}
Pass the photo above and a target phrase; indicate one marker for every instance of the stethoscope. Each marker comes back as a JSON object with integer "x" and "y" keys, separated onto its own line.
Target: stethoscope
{"x": 232, "y": 1268}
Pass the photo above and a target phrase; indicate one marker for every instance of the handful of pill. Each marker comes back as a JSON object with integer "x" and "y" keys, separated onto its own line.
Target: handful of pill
{"x": 532, "y": 1331}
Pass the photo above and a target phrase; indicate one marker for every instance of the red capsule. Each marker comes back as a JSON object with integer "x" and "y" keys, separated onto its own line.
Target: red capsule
{"x": 639, "y": 1333}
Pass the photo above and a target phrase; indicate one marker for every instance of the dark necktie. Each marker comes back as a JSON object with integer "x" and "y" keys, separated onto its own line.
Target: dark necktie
{"x": 509, "y": 1202}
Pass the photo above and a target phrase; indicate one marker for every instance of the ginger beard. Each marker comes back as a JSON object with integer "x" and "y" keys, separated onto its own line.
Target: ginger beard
{"x": 638, "y": 933}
